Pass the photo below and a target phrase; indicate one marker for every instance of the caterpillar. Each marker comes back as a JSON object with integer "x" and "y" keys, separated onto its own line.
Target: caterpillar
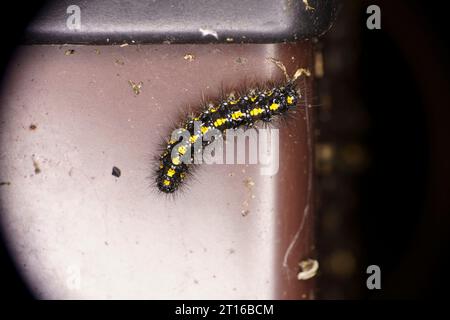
{"x": 232, "y": 112}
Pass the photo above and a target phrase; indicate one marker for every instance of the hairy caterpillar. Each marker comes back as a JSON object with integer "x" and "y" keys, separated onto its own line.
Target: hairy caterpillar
{"x": 233, "y": 112}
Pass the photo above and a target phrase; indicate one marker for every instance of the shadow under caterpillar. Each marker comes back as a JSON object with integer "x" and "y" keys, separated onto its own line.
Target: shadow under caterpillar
{"x": 233, "y": 112}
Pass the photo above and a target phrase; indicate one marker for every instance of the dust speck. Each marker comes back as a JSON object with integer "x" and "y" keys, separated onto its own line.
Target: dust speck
{"x": 116, "y": 172}
{"x": 245, "y": 212}
{"x": 136, "y": 87}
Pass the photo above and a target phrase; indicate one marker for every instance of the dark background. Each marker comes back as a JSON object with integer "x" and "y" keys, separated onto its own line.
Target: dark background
{"x": 399, "y": 85}
{"x": 16, "y": 17}
{"x": 388, "y": 182}
{"x": 405, "y": 206}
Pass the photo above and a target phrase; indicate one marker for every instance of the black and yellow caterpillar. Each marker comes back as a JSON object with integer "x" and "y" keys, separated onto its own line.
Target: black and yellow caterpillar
{"x": 233, "y": 112}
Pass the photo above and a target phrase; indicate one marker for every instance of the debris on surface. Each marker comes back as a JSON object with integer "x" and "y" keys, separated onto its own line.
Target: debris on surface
{"x": 116, "y": 172}
{"x": 136, "y": 86}
{"x": 124, "y": 45}
{"x": 69, "y": 52}
{"x": 119, "y": 62}
{"x": 307, "y": 6}
{"x": 241, "y": 60}
{"x": 308, "y": 269}
{"x": 249, "y": 183}
{"x": 97, "y": 51}
{"x": 32, "y": 127}
{"x": 5, "y": 183}
{"x": 189, "y": 57}
{"x": 37, "y": 170}
{"x": 245, "y": 212}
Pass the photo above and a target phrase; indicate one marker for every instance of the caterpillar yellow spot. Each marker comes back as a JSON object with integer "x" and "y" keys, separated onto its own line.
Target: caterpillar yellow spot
{"x": 176, "y": 161}
{"x": 193, "y": 138}
{"x": 182, "y": 150}
{"x": 166, "y": 183}
{"x": 274, "y": 106}
{"x": 268, "y": 93}
{"x": 219, "y": 122}
{"x": 256, "y": 111}
{"x": 290, "y": 99}
{"x": 204, "y": 129}
{"x": 253, "y": 98}
{"x": 233, "y": 102}
{"x": 170, "y": 172}
{"x": 236, "y": 115}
